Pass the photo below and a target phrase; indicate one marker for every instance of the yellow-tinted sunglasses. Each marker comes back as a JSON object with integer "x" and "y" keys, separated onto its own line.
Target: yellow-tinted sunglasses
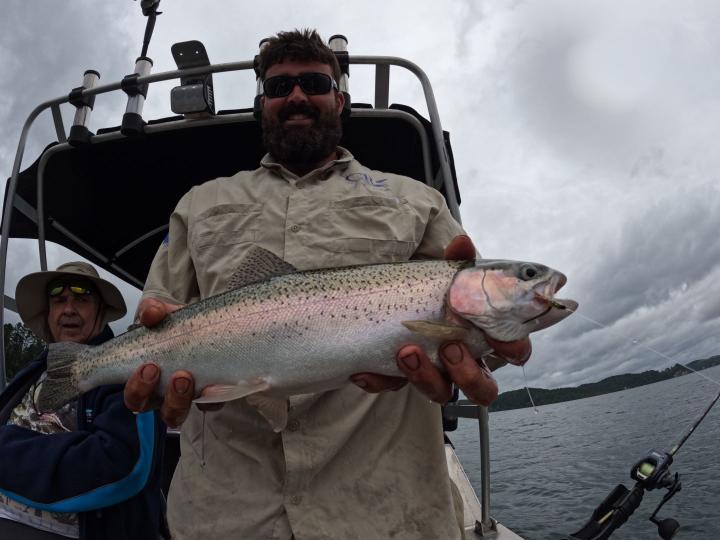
{"x": 57, "y": 287}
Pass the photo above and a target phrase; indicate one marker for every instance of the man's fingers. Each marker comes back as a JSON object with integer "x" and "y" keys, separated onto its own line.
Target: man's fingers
{"x": 152, "y": 311}
{"x": 178, "y": 398}
{"x": 141, "y": 387}
{"x": 420, "y": 371}
{"x": 374, "y": 383}
{"x": 471, "y": 376}
{"x": 460, "y": 248}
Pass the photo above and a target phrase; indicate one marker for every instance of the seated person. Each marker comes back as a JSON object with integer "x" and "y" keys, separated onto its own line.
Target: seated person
{"x": 92, "y": 469}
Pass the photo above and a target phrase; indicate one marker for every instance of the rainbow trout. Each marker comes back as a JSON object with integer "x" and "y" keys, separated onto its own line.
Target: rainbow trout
{"x": 280, "y": 332}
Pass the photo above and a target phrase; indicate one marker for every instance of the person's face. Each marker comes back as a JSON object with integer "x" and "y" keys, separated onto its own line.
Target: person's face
{"x": 299, "y": 129}
{"x": 73, "y": 317}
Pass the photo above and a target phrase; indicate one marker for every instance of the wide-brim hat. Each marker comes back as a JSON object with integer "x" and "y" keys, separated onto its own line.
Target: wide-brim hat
{"x": 31, "y": 296}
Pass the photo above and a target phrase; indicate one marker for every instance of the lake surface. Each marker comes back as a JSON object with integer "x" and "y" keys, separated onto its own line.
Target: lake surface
{"x": 550, "y": 470}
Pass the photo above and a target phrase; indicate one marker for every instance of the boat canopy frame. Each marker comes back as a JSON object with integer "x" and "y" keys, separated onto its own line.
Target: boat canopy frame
{"x": 408, "y": 143}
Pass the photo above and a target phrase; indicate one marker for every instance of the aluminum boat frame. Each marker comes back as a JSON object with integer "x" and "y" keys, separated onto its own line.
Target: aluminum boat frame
{"x": 106, "y": 171}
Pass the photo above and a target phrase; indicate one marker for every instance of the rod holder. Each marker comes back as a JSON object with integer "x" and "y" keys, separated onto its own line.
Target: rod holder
{"x": 338, "y": 45}
{"x": 132, "y": 122}
{"x": 257, "y": 103}
{"x": 80, "y": 135}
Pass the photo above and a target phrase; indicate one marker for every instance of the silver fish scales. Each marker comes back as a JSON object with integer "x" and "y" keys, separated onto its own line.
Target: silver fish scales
{"x": 303, "y": 332}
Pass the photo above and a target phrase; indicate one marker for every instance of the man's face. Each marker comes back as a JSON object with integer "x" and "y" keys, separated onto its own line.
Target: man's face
{"x": 73, "y": 317}
{"x": 302, "y": 130}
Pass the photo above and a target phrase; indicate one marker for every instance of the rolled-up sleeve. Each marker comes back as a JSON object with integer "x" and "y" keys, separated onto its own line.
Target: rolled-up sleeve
{"x": 440, "y": 226}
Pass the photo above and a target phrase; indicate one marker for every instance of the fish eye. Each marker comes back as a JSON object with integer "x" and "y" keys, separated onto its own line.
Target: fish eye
{"x": 527, "y": 272}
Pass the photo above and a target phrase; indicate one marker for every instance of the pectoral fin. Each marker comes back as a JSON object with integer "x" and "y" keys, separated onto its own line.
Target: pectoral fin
{"x": 274, "y": 410}
{"x": 220, "y": 393}
{"x": 437, "y": 330}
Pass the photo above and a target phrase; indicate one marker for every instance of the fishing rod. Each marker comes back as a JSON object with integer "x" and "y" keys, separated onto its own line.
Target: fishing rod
{"x": 651, "y": 472}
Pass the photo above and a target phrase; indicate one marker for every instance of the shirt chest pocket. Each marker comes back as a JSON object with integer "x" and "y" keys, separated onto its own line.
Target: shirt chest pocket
{"x": 374, "y": 229}
{"x": 225, "y": 225}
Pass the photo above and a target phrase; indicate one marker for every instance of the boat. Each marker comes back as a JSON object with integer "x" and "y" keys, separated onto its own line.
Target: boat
{"x": 129, "y": 177}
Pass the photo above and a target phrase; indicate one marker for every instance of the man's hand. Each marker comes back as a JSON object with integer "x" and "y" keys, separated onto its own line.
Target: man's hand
{"x": 472, "y": 377}
{"x": 141, "y": 389}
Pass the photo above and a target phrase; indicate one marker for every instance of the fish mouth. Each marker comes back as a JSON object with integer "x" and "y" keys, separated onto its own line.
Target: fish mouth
{"x": 546, "y": 295}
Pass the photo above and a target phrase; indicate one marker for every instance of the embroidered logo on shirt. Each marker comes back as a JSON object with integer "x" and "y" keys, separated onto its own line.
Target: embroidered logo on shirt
{"x": 166, "y": 240}
{"x": 366, "y": 179}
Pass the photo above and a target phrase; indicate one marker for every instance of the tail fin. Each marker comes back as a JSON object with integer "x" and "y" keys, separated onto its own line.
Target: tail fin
{"x": 60, "y": 386}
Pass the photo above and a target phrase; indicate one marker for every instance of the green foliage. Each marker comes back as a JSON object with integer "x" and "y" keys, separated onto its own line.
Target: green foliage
{"x": 21, "y": 346}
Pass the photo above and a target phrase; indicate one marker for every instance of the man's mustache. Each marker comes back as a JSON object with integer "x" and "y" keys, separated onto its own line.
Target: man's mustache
{"x": 305, "y": 109}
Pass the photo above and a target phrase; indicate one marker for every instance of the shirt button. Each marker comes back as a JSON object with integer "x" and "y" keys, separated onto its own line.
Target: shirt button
{"x": 295, "y": 499}
{"x": 295, "y": 228}
{"x": 293, "y": 425}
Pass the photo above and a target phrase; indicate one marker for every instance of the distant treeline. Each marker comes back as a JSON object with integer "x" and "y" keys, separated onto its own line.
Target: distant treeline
{"x": 518, "y": 399}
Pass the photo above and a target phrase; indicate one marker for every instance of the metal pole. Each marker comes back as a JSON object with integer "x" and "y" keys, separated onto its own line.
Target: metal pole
{"x": 7, "y": 213}
{"x": 484, "y": 425}
{"x": 434, "y": 119}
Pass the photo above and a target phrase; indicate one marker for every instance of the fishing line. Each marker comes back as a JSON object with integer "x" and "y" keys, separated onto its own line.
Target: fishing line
{"x": 528, "y": 391}
{"x": 637, "y": 342}
{"x": 202, "y": 457}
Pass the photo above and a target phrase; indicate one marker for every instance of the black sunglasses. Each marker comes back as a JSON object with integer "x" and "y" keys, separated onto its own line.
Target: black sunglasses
{"x": 313, "y": 84}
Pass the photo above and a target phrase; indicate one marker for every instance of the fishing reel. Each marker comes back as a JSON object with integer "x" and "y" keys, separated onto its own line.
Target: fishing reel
{"x": 653, "y": 472}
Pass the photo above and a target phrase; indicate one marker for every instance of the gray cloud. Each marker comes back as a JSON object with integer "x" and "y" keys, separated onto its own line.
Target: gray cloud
{"x": 45, "y": 47}
{"x": 659, "y": 250}
{"x": 583, "y": 139}
{"x": 591, "y": 153}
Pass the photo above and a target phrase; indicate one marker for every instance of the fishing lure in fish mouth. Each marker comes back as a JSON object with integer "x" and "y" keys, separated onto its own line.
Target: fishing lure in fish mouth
{"x": 651, "y": 472}
{"x": 550, "y": 301}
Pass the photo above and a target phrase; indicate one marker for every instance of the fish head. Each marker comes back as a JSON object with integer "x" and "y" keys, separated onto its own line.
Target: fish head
{"x": 508, "y": 299}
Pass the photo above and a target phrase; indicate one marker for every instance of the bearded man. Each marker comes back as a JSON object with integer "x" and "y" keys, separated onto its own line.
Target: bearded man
{"x": 363, "y": 461}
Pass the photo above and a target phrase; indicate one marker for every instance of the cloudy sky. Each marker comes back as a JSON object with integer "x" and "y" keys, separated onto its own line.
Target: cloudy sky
{"x": 583, "y": 139}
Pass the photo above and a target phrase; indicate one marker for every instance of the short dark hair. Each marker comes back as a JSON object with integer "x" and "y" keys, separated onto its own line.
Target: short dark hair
{"x": 297, "y": 45}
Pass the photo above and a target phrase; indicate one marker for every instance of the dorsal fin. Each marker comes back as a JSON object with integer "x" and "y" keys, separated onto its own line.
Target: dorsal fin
{"x": 258, "y": 265}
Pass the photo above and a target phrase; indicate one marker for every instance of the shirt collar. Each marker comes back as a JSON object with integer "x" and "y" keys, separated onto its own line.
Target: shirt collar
{"x": 342, "y": 161}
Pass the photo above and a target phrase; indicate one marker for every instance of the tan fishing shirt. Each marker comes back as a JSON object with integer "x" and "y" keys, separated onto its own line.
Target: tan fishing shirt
{"x": 349, "y": 464}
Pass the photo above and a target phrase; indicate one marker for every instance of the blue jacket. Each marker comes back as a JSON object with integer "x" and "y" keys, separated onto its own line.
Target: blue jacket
{"x": 108, "y": 471}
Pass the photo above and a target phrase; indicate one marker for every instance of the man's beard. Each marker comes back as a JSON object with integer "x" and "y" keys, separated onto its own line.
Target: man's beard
{"x": 302, "y": 146}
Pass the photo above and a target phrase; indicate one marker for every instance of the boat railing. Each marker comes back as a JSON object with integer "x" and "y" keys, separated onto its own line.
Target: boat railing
{"x": 442, "y": 179}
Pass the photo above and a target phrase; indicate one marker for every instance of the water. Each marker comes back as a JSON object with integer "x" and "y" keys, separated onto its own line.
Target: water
{"x": 550, "y": 470}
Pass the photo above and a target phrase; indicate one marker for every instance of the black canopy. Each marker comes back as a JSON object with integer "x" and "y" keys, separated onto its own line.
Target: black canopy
{"x": 127, "y": 187}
